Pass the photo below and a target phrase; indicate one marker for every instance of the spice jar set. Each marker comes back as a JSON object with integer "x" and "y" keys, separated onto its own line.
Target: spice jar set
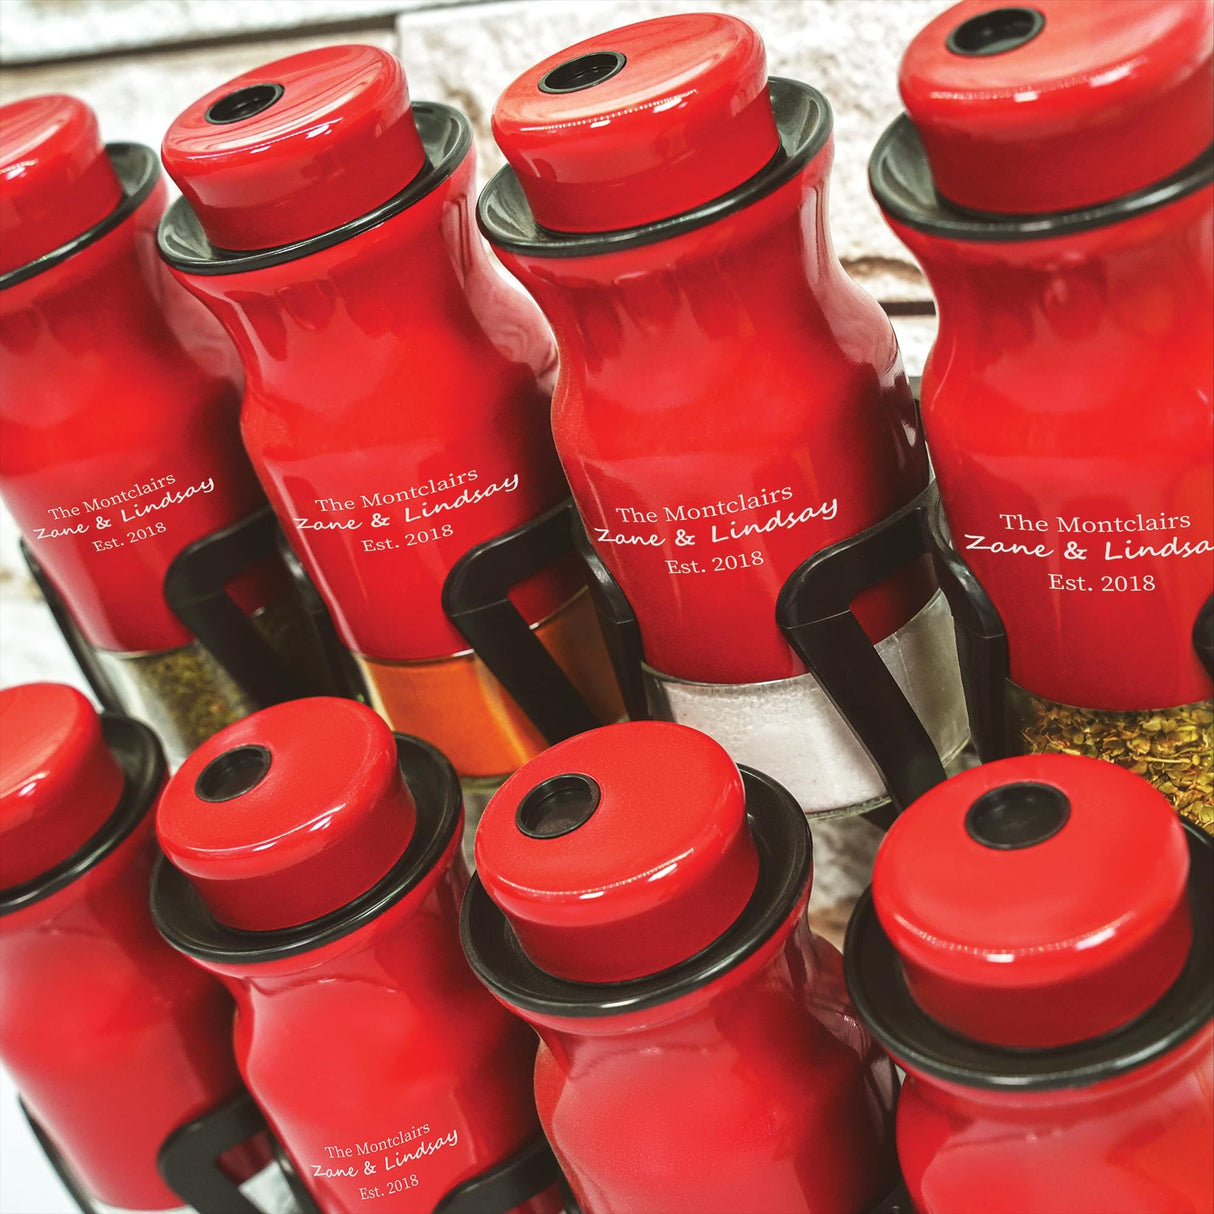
{"x": 683, "y": 479}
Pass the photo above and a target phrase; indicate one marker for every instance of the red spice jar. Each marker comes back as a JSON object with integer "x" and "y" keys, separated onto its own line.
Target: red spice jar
{"x": 396, "y": 406}
{"x": 1035, "y": 952}
{"x": 314, "y": 865}
{"x": 729, "y": 402}
{"x": 113, "y": 1040}
{"x": 642, "y": 904}
{"x": 119, "y": 448}
{"x": 1053, "y": 175}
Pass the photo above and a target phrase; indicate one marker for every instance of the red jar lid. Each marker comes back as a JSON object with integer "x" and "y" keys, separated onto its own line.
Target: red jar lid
{"x": 58, "y": 780}
{"x": 296, "y": 148}
{"x": 1037, "y": 901}
{"x": 56, "y": 181}
{"x": 640, "y": 123}
{"x": 619, "y": 852}
{"x": 288, "y": 814}
{"x": 1059, "y": 104}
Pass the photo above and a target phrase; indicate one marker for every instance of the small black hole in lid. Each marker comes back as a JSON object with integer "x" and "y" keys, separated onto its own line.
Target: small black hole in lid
{"x": 1017, "y": 815}
{"x": 243, "y": 103}
{"x": 993, "y": 33}
{"x": 233, "y": 773}
{"x": 583, "y": 72}
{"x": 557, "y": 806}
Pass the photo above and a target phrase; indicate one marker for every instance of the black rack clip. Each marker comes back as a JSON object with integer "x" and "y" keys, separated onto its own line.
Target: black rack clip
{"x": 60, "y": 1166}
{"x": 916, "y": 530}
{"x": 341, "y": 671}
{"x": 982, "y": 649}
{"x": 195, "y": 588}
{"x": 621, "y": 631}
{"x": 476, "y": 599}
{"x": 897, "y": 1201}
{"x": 525, "y": 1175}
{"x": 189, "y": 1159}
{"x": 304, "y": 1202}
{"x": 1203, "y": 635}
{"x": 814, "y": 613}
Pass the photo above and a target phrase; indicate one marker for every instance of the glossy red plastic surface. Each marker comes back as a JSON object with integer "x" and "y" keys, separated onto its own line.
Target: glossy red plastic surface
{"x": 56, "y": 181}
{"x": 271, "y": 838}
{"x": 1105, "y": 100}
{"x": 661, "y": 867}
{"x": 1045, "y": 944}
{"x": 113, "y": 1040}
{"x": 58, "y": 780}
{"x": 118, "y": 432}
{"x": 1138, "y": 1142}
{"x": 394, "y": 432}
{"x": 663, "y": 133}
{"x": 729, "y": 403}
{"x": 337, "y": 142}
{"x": 386, "y": 1071}
{"x": 1067, "y": 403}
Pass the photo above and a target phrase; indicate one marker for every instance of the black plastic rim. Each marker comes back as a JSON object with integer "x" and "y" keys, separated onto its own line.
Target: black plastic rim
{"x": 558, "y": 806}
{"x": 901, "y": 181}
{"x": 1017, "y": 815}
{"x": 142, "y": 761}
{"x": 785, "y": 865}
{"x": 244, "y": 103}
{"x": 138, "y": 172}
{"x": 232, "y": 774}
{"x": 921, "y": 1045}
{"x": 995, "y": 32}
{"x": 803, "y": 119}
{"x": 583, "y": 72}
{"x": 184, "y": 921}
{"x": 447, "y": 138}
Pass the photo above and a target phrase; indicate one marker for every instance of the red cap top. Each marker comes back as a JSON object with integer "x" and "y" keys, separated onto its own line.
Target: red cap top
{"x": 639, "y": 123}
{"x": 58, "y": 780}
{"x": 296, "y": 148}
{"x": 619, "y": 852}
{"x": 288, "y": 814}
{"x": 56, "y": 181}
{"x": 1059, "y": 104}
{"x": 1037, "y": 901}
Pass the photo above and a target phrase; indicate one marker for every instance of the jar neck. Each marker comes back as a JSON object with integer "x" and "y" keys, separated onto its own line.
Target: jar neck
{"x": 424, "y": 268}
{"x": 411, "y": 949}
{"x": 674, "y": 298}
{"x": 1062, "y": 1105}
{"x": 62, "y": 331}
{"x": 1015, "y": 297}
{"x": 104, "y": 906}
{"x": 777, "y": 983}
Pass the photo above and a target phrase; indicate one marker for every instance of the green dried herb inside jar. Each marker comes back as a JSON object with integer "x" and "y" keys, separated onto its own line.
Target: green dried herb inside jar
{"x": 185, "y": 695}
{"x": 1173, "y": 748}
